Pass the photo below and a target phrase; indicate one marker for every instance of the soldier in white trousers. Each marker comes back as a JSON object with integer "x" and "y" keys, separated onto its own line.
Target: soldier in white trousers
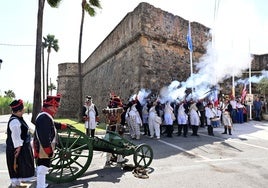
{"x": 154, "y": 120}
{"x": 134, "y": 120}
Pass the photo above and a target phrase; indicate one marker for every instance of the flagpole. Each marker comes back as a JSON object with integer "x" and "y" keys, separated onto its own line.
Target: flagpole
{"x": 233, "y": 86}
{"x": 190, "y": 47}
{"x": 191, "y": 64}
{"x": 249, "y": 75}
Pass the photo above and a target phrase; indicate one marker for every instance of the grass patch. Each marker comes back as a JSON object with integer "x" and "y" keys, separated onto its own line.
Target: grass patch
{"x": 80, "y": 126}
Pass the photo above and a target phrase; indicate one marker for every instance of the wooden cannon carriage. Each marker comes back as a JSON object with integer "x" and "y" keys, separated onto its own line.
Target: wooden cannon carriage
{"x": 74, "y": 153}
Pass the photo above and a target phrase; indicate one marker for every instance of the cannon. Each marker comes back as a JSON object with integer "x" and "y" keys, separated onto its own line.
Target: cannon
{"x": 74, "y": 152}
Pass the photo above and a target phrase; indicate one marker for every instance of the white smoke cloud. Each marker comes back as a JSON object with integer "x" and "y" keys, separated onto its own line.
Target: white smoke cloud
{"x": 257, "y": 79}
{"x": 142, "y": 95}
{"x": 227, "y": 55}
{"x": 168, "y": 93}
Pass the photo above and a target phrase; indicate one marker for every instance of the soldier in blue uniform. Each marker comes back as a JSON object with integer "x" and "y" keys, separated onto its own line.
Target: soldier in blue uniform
{"x": 45, "y": 138}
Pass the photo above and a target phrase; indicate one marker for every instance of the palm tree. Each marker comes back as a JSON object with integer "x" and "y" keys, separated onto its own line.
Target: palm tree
{"x": 43, "y": 70}
{"x": 51, "y": 87}
{"x": 50, "y": 43}
{"x": 10, "y": 94}
{"x": 89, "y": 7}
{"x": 38, "y": 52}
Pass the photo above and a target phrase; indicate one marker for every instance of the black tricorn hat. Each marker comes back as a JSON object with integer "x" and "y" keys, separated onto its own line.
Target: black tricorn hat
{"x": 88, "y": 98}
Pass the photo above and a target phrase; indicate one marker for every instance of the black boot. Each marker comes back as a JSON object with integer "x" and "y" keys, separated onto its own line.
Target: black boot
{"x": 210, "y": 130}
{"x": 225, "y": 130}
{"x": 161, "y": 130}
{"x": 145, "y": 128}
{"x": 87, "y": 132}
{"x": 230, "y": 131}
{"x": 212, "y": 134}
{"x": 179, "y": 129}
{"x": 148, "y": 130}
{"x": 92, "y": 133}
{"x": 185, "y": 130}
{"x": 165, "y": 129}
{"x": 169, "y": 130}
{"x": 194, "y": 129}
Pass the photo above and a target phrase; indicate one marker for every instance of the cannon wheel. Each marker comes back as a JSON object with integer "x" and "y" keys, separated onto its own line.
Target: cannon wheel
{"x": 143, "y": 156}
{"x": 73, "y": 156}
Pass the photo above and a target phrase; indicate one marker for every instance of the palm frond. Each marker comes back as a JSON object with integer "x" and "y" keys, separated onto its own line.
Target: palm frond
{"x": 95, "y": 3}
{"x": 54, "y": 3}
{"x": 56, "y": 47}
{"x": 91, "y": 11}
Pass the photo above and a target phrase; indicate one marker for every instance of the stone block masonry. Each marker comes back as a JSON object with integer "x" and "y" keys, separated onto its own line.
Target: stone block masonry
{"x": 147, "y": 49}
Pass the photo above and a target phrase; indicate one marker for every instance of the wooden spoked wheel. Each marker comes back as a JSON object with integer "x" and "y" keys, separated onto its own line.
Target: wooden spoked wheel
{"x": 143, "y": 156}
{"x": 72, "y": 158}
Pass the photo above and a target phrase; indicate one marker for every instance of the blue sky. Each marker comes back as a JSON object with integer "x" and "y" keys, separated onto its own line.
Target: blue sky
{"x": 18, "y": 31}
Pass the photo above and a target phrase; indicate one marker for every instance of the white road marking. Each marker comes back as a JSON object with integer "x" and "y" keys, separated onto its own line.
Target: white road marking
{"x": 206, "y": 159}
{"x": 214, "y": 160}
{"x": 235, "y": 141}
{"x": 252, "y": 145}
{"x": 184, "y": 150}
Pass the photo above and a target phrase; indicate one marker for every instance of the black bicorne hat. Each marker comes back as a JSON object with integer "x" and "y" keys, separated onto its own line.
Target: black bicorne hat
{"x": 16, "y": 105}
{"x": 52, "y": 101}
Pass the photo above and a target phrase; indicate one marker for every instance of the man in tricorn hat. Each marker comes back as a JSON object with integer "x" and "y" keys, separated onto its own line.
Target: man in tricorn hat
{"x": 210, "y": 115}
{"x": 90, "y": 116}
{"x": 226, "y": 117}
{"x": 45, "y": 137}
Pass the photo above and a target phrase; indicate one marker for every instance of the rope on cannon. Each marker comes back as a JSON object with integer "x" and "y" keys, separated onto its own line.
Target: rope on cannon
{"x": 138, "y": 172}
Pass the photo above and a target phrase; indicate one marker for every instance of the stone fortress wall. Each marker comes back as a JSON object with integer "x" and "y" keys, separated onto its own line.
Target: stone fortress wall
{"x": 147, "y": 49}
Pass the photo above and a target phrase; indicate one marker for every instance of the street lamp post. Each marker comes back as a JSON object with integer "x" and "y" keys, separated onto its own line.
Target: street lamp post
{"x": 1, "y": 61}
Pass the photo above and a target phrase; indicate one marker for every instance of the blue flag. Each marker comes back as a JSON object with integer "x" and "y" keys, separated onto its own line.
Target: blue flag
{"x": 189, "y": 39}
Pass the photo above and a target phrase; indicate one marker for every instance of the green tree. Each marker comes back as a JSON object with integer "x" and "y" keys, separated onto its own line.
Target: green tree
{"x": 28, "y": 107}
{"x": 51, "y": 87}
{"x": 262, "y": 86}
{"x": 10, "y": 94}
{"x": 38, "y": 52}
{"x": 4, "y": 105}
{"x": 50, "y": 43}
{"x": 89, "y": 7}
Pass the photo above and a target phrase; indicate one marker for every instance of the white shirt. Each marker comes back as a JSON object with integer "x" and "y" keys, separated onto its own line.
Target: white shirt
{"x": 14, "y": 126}
{"x": 233, "y": 103}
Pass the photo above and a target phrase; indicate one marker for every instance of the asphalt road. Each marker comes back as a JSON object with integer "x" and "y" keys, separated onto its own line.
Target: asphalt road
{"x": 233, "y": 161}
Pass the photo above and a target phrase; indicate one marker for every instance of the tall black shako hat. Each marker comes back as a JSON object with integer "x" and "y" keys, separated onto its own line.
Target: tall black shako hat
{"x": 52, "y": 101}
{"x": 16, "y": 105}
